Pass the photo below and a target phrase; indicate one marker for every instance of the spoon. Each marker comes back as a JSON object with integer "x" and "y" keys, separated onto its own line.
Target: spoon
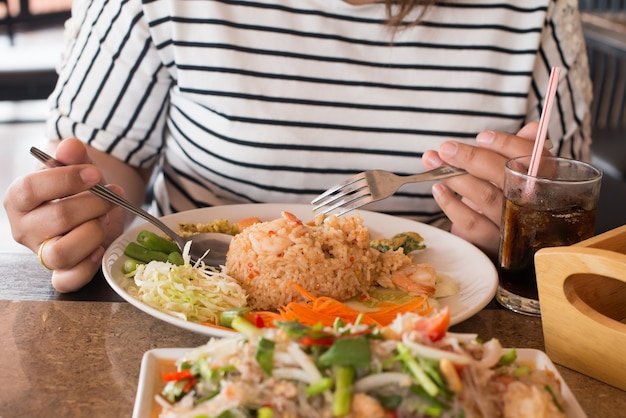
{"x": 215, "y": 243}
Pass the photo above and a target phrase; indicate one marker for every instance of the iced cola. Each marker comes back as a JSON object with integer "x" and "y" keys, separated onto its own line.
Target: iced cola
{"x": 555, "y": 208}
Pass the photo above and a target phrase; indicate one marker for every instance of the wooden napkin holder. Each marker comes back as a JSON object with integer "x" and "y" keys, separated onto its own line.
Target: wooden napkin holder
{"x": 582, "y": 293}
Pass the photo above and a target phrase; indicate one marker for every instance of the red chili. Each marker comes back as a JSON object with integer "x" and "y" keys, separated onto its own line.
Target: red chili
{"x": 258, "y": 321}
{"x": 189, "y": 385}
{"x": 176, "y": 376}
{"x": 324, "y": 341}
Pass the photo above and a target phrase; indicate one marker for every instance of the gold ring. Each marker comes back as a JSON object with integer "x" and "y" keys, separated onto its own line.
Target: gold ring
{"x": 40, "y": 254}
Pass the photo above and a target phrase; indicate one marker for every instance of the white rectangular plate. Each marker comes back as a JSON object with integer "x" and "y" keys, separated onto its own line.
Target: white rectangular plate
{"x": 159, "y": 360}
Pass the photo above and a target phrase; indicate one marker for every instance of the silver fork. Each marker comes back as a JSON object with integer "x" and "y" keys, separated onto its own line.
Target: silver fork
{"x": 217, "y": 242}
{"x": 371, "y": 186}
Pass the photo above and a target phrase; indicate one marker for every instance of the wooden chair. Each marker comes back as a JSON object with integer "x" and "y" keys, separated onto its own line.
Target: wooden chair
{"x": 605, "y": 36}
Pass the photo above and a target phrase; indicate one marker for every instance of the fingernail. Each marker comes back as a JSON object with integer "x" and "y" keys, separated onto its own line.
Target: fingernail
{"x": 485, "y": 138}
{"x": 437, "y": 190}
{"x": 448, "y": 149}
{"x": 89, "y": 175}
{"x": 432, "y": 159}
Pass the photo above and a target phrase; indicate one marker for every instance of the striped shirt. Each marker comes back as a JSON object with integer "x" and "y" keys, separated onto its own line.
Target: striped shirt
{"x": 276, "y": 100}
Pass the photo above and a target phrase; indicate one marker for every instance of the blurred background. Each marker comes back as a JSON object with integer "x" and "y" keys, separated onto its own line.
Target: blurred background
{"x": 31, "y": 40}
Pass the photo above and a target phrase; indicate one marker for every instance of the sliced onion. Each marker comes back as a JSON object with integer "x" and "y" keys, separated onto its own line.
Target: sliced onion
{"x": 374, "y": 381}
{"x": 492, "y": 351}
{"x": 305, "y": 362}
{"x": 463, "y": 337}
{"x": 291, "y": 373}
{"x": 422, "y": 350}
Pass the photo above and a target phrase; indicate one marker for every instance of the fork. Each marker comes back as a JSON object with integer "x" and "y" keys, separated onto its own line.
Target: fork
{"x": 371, "y": 186}
{"x": 217, "y": 242}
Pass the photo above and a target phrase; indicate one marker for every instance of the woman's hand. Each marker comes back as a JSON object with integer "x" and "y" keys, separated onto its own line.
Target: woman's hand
{"x": 52, "y": 209}
{"x": 473, "y": 202}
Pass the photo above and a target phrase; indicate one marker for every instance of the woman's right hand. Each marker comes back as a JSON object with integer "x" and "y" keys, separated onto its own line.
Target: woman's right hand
{"x": 54, "y": 208}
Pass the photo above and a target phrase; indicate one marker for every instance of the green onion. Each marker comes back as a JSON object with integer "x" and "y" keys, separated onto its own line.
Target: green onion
{"x": 554, "y": 399}
{"x": 416, "y": 370}
{"x": 227, "y": 316}
{"x": 342, "y": 399}
{"x": 320, "y": 386}
{"x": 245, "y": 327}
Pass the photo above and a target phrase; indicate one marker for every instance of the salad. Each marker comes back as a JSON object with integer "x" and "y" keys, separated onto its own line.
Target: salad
{"x": 412, "y": 368}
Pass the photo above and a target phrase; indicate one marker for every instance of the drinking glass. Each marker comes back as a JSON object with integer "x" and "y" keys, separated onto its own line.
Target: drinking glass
{"x": 555, "y": 208}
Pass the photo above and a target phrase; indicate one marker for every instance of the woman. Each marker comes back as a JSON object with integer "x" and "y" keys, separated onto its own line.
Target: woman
{"x": 276, "y": 100}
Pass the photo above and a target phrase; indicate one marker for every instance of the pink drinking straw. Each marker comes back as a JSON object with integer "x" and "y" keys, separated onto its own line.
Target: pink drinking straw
{"x": 544, "y": 121}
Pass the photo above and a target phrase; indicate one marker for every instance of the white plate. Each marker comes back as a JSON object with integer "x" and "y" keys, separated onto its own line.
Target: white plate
{"x": 469, "y": 267}
{"x": 160, "y": 360}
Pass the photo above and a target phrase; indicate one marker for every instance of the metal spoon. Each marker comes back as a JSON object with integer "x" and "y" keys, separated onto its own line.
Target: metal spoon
{"x": 216, "y": 243}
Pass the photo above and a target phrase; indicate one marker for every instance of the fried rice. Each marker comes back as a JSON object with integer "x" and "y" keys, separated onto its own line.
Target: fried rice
{"x": 331, "y": 257}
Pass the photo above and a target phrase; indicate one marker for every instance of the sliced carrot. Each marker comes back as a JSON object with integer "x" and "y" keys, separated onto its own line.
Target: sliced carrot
{"x": 326, "y": 310}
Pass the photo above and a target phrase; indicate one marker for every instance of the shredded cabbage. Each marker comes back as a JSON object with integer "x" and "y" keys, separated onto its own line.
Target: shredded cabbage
{"x": 192, "y": 292}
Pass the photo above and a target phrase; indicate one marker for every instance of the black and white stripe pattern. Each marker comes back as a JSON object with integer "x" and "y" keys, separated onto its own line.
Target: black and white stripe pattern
{"x": 276, "y": 100}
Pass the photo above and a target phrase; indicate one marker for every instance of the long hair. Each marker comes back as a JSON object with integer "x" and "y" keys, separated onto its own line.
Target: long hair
{"x": 398, "y": 10}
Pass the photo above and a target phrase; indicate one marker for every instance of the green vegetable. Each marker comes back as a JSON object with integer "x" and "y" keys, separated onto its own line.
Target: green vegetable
{"x": 156, "y": 242}
{"x": 293, "y": 328}
{"x": 191, "y": 293}
{"x": 507, "y": 358}
{"x": 130, "y": 265}
{"x": 245, "y": 327}
{"x": 416, "y": 370}
{"x": 348, "y": 351}
{"x": 235, "y": 413}
{"x": 390, "y": 402}
{"x": 522, "y": 370}
{"x": 554, "y": 399}
{"x": 138, "y": 252}
{"x": 408, "y": 241}
{"x": 342, "y": 398}
{"x": 226, "y": 317}
{"x": 431, "y": 368}
{"x": 265, "y": 412}
{"x": 174, "y": 390}
{"x": 320, "y": 386}
{"x": 175, "y": 258}
{"x": 430, "y": 406}
{"x": 264, "y": 355}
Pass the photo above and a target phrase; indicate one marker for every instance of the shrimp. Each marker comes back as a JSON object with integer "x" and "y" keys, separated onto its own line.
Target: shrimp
{"x": 265, "y": 240}
{"x": 268, "y": 242}
{"x": 366, "y": 406}
{"x": 246, "y": 222}
{"x": 415, "y": 279}
{"x": 522, "y": 400}
{"x": 291, "y": 217}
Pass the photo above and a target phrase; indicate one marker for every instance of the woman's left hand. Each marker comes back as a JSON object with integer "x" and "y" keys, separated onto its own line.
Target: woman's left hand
{"x": 473, "y": 202}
